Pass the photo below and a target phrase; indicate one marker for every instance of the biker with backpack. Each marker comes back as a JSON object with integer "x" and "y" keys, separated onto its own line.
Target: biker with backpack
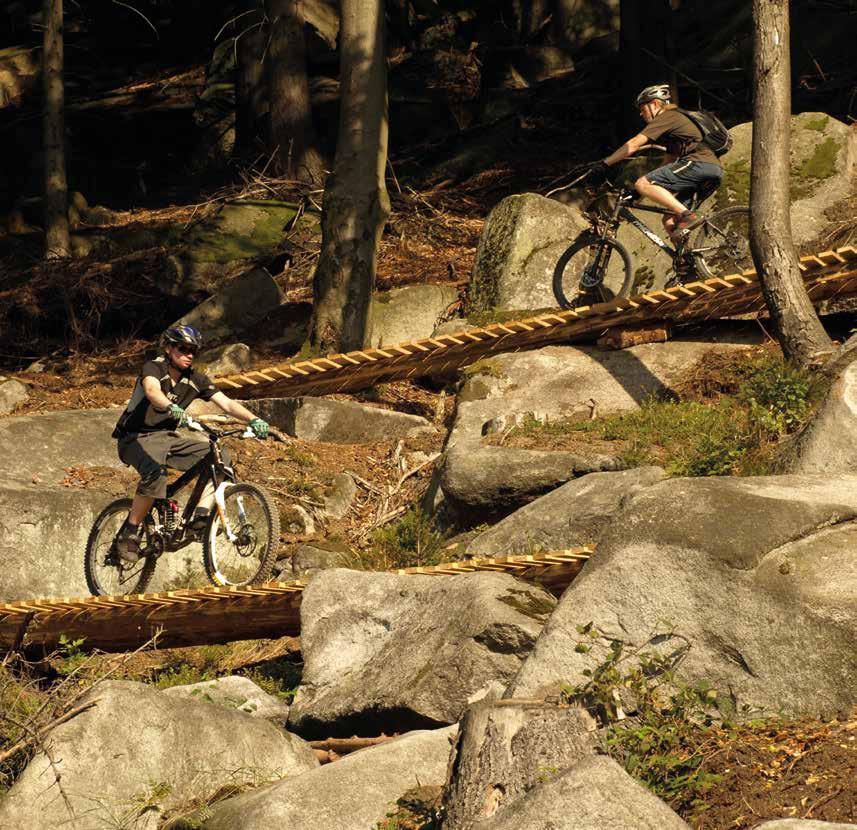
{"x": 694, "y": 142}
{"x": 147, "y": 431}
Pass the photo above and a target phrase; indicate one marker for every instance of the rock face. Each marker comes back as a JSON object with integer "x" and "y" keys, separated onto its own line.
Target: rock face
{"x": 43, "y": 533}
{"x": 12, "y": 394}
{"x": 523, "y": 238}
{"x": 758, "y": 574}
{"x": 488, "y": 483}
{"x": 236, "y": 307}
{"x": 321, "y": 556}
{"x": 337, "y": 422}
{"x": 234, "y": 692}
{"x": 823, "y": 159}
{"x": 57, "y": 440}
{"x": 390, "y": 653}
{"x": 829, "y": 442}
{"x": 594, "y": 794}
{"x": 409, "y": 313}
{"x": 240, "y": 232}
{"x": 115, "y": 759}
{"x": 340, "y": 497}
{"x": 355, "y": 793}
{"x": 575, "y": 514}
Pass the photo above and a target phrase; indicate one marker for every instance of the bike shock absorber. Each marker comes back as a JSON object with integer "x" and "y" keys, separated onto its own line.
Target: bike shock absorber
{"x": 170, "y": 511}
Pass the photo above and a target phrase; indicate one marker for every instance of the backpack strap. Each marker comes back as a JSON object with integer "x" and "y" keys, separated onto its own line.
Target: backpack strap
{"x": 695, "y": 123}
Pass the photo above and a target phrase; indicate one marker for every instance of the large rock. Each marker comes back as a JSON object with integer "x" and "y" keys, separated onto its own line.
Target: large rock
{"x": 409, "y": 313}
{"x": 483, "y": 484}
{"x": 486, "y": 483}
{"x": 56, "y": 440}
{"x": 561, "y": 381}
{"x": 237, "y": 307}
{"x": 138, "y": 752}
{"x": 43, "y": 533}
{"x": 12, "y": 394}
{"x": 823, "y": 158}
{"x": 355, "y": 793}
{"x": 523, "y": 238}
{"x": 389, "y": 653}
{"x": 231, "y": 359}
{"x": 828, "y": 444}
{"x": 594, "y": 794}
{"x": 221, "y": 243}
{"x": 575, "y": 514}
{"x": 758, "y": 574}
{"x": 234, "y": 692}
{"x": 20, "y": 69}
{"x": 337, "y": 422}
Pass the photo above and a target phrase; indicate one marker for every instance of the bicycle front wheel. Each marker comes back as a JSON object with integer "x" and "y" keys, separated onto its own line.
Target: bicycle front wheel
{"x": 579, "y": 274}
{"x": 106, "y": 573}
{"x": 721, "y": 244}
{"x": 243, "y": 549}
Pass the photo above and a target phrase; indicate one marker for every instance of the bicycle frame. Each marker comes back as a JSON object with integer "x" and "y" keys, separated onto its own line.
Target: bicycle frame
{"x": 209, "y": 469}
{"x": 621, "y": 211}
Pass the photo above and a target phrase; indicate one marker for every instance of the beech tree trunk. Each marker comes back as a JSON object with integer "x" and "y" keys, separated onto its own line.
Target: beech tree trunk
{"x": 799, "y": 330}
{"x": 57, "y": 242}
{"x": 290, "y": 114}
{"x": 250, "y": 89}
{"x": 356, "y": 205}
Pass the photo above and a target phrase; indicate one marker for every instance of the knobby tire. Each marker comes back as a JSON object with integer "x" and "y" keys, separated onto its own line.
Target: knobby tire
{"x": 582, "y": 244}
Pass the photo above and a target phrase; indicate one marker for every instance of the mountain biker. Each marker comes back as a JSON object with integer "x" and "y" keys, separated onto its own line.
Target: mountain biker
{"x": 147, "y": 431}
{"x": 692, "y": 165}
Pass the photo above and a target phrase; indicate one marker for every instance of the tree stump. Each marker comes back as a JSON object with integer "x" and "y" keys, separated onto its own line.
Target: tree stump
{"x": 507, "y": 747}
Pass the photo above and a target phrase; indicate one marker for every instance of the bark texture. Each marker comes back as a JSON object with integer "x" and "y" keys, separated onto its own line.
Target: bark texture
{"x": 356, "y": 204}
{"x": 57, "y": 242}
{"x": 505, "y": 748}
{"x": 290, "y": 115}
{"x": 250, "y": 88}
{"x": 799, "y": 330}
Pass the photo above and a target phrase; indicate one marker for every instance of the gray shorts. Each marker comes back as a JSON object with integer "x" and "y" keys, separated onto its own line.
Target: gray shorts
{"x": 151, "y": 454}
{"x": 684, "y": 178}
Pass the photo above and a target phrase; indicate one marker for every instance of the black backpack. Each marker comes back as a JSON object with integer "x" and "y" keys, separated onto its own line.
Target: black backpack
{"x": 714, "y": 134}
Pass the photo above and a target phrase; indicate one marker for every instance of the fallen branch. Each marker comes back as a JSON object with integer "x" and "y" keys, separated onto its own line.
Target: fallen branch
{"x": 36, "y": 735}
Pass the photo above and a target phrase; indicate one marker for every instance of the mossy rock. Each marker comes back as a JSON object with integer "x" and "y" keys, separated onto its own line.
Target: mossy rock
{"x": 823, "y": 157}
{"x": 240, "y": 233}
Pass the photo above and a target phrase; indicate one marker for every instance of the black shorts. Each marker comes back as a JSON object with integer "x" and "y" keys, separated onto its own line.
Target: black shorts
{"x": 685, "y": 177}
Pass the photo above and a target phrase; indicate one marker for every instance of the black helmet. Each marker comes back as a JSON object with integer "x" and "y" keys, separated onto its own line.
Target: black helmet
{"x": 177, "y": 335}
{"x": 656, "y": 92}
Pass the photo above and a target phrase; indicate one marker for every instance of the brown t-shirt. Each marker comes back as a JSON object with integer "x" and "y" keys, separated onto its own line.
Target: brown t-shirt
{"x": 679, "y": 135}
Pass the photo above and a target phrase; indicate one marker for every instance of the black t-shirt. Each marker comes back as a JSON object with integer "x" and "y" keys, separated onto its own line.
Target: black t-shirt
{"x": 141, "y": 416}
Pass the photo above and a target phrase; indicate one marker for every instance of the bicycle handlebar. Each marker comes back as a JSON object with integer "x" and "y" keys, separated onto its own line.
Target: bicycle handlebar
{"x": 198, "y": 426}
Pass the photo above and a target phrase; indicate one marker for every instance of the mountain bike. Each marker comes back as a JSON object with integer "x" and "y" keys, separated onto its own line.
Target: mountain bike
{"x": 719, "y": 244}
{"x": 239, "y": 539}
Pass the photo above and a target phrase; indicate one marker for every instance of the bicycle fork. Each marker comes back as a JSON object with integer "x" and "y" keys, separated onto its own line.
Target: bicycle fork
{"x": 220, "y": 504}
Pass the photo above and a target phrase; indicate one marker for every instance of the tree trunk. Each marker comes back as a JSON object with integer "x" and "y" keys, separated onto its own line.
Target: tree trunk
{"x": 799, "y": 330}
{"x": 356, "y": 204}
{"x": 57, "y": 243}
{"x": 250, "y": 90}
{"x": 290, "y": 114}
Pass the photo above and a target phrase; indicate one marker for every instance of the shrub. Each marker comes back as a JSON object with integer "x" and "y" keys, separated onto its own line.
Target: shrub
{"x": 412, "y": 540}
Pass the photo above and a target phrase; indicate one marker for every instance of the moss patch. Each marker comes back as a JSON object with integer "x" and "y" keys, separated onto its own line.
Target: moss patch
{"x": 735, "y": 189}
{"x": 819, "y": 124}
{"x": 820, "y": 165}
{"x": 485, "y": 366}
{"x": 534, "y": 607}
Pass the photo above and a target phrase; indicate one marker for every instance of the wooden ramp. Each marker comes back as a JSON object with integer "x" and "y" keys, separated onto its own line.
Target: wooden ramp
{"x": 220, "y": 615}
{"x": 827, "y": 275}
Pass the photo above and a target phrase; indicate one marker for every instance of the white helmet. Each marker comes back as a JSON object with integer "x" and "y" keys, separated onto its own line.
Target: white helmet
{"x": 657, "y": 92}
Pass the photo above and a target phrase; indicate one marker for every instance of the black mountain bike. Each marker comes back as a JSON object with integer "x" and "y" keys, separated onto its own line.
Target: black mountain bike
{"x": 239, "y": 541}
{"x": 718, "y": 245}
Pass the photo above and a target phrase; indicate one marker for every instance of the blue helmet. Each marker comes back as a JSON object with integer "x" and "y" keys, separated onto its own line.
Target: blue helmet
{"x": 176, "y": 335}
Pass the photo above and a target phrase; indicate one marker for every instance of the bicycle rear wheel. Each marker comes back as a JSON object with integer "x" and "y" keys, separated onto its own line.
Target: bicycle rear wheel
{"x": 721, "y": 244}
{"x": 254, "y": 521}
{"x": 578, "y": 277}
{"x": 106, "y": 573}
